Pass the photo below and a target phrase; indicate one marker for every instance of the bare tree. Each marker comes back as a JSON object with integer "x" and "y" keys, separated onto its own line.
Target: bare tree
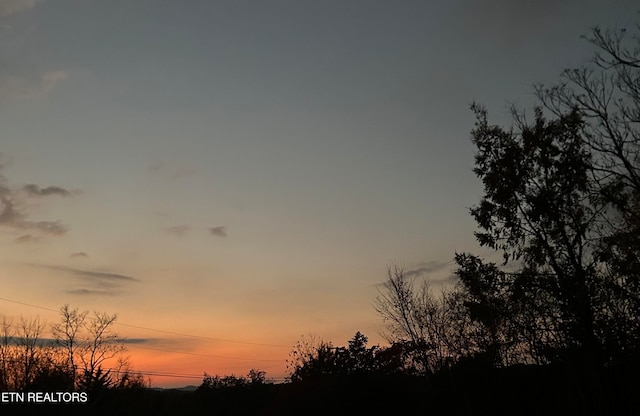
{"x": 124, "y": 377}
{"x": 7, "y": 354}
{"x": 88, "y": 342}
{"x": 433, "y": 328}
{"x": 67, "y": 335}
{"x": 101, "y": 345}
{"x": 28, "y": 343}
{"x": 399, "y": 306}
{"x": 607, "y": 94}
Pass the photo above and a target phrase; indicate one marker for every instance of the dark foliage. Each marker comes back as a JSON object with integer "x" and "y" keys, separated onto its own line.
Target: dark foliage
{"x": 472, "y": 387}
{"x": 560, "y": 202}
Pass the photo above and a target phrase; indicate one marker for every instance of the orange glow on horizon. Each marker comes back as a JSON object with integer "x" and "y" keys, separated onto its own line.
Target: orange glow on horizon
{"x": 180, "y": 367}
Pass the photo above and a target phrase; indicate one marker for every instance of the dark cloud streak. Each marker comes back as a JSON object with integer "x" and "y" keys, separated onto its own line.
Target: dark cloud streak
{"x": 219, "y": 231}
{"x": 34, "y": 190}
{"x": 92, "y": 283}
{"x": 100, "y": 276}
{"x": 426, "y": 268}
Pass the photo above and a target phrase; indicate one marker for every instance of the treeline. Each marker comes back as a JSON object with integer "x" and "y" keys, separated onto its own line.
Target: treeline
{"x": 68, "y": 355}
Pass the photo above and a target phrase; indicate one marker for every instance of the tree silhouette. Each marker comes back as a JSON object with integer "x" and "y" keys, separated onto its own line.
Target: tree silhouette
{"x": 87, "y": 343}
{"x": 67, "y": 335}
{"x": 429, "y": 332}
{"x": 561, "y": 202}
{"x": 607, "y": 95}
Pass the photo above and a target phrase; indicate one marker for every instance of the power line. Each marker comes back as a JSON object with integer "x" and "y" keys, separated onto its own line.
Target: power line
{"x": 165, "y": 374}
{"x": 43, "y": 342}
{"x": 181, "y": 375}
{"x": 28, "y": 304}
{"x": 202, "y": 355}
{"x": 203, "y": 337}
{"x": 158, "y": 330}
{"x": 160, "y": 373}
{"x": 154, "y": 373}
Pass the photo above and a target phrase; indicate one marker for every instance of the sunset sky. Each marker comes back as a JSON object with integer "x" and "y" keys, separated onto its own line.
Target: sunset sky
{"x": 227, "y": 176}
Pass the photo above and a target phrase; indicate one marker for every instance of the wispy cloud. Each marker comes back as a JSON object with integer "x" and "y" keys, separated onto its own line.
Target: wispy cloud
{"x": 219, "y": 231}
{"x": 426, "y": 268}
{"x": 93, "y": 292}
{"x": 8, "y": 7}
{"x": 79, "y": 254}
{"x": 182, "y": 344}
{"x": 29, "y": 87}
{"x": 92, "y": 283}
{"x": 26, "y": 239}
{"x": 48, "y": 227}
{"x": 99, "y": 276}
{"x": 178, "y": 230}
{"x": 431, "y": 270}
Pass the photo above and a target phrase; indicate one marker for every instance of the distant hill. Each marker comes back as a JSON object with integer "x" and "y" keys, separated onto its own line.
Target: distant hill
{"x": 184, "y": 388}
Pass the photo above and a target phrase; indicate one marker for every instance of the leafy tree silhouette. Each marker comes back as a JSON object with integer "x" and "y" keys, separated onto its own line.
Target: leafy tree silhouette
{"x": 560, "y": 203}
{"x": 547, "y": 208}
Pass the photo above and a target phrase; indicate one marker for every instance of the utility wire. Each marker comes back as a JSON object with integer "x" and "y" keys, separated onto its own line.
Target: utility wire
{"x": 203, "y": 337}
{"x": 166, "y": 374}
{"x": 202, "y": 355}
{"x": 157, "y": 330}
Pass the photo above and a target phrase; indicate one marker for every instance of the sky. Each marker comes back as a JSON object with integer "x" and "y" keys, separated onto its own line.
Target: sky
{"x": 230, "y": 176}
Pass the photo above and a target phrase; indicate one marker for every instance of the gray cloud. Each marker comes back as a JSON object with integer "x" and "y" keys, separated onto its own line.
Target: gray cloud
{"x": 178, "y": 229}
{"x": 14, "y": 203}
{"x": 78, "y": 254}
{"x": 161, "y": 342}
{"x": 429, "y": 270}
{"x": 426, "y": 268}
{"x": 135, "y": 340}
{"x": 219, "y": 231}
{"x": 100, "y": 276}
{"x": 34, "y": 190}
{"x": 92, "y": 283}
{"x": 10, "y": 216}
